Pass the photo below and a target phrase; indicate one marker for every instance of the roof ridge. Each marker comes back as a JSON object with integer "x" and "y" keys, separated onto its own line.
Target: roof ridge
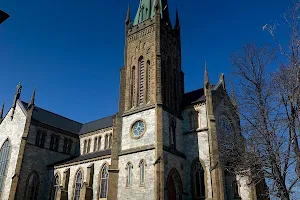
{"x": 55, "y": 113}
{"x": 99, "y": 119}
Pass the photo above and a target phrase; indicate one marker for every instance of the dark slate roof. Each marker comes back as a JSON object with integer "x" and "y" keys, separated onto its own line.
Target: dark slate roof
{"x": 97, "y": 125}
{"x": 88, "y": 156}
{"x": 54, "y": 120}
{"x": 193, "y": 97}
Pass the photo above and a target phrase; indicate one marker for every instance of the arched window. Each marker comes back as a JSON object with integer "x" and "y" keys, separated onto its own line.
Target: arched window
{"x": 40, "y": 138}
{"x": 133, "y": 86}
{"x": 88, "y": 146}
{"x": 104, "y": 181}
{"x": 56, "y": 186}
{"x": 95, "y": 143}
{"x": 148, "y": 80}
{"x": 141, "y": 80}
{"x": 78, "y": 185}
{"x": 84, "y": 146}
{"x": 142, "y": 172}
{"x": 99, "y": 143}
{"x": 106, "y": 142}
{"x": 225, "y": 126}
{"x": 198, "y": 183}
{"x": 4, "y": 157}
{"x": 32, "y": 186}
{"x": 110, "y": 140}
{"x": 192, "y": 120}
{"x": 129, "y": 167}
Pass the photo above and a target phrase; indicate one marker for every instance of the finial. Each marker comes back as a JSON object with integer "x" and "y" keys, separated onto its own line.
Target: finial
{"x": 19, "y": 88}
{"x": 177, "y": 18}
{"x": 157, "y": 5}
{"x": 206, "y": 79}
{"x": 31, "y": 104}
{"x": 128, "y": 15}
{"x": 2, "y": 111}
{"x": 222, "y": 80}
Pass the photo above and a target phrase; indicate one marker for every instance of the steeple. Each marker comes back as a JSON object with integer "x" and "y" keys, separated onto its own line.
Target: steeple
{"x": 2, "y": 111}
{"x": 206, "y": 78}
{"x": 31, "y": 104}
{"x": 17, "y": 96}
{"x": 147, "y": 8}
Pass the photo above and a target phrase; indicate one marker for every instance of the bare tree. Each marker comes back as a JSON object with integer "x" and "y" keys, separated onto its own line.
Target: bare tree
{"x": 287, "y": 78}
{"x": 262, "y": 122}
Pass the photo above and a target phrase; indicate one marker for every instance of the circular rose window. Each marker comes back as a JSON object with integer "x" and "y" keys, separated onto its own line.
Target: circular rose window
{"x": 138, "y": 129}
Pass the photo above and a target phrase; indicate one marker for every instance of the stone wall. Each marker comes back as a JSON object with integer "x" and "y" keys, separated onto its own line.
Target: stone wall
{"x": 178, "y": 133}
{"x": 135, "y": 190}
{"x": 148, "y": 116}
{"x": 197, "y": 146}
{"x": 12, "y": 130}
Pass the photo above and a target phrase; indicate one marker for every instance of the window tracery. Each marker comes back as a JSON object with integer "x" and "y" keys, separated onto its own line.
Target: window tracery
{"x": 104, "y": 182}
{"x": 4, "y": 157}
{"x": 78, "y": 185}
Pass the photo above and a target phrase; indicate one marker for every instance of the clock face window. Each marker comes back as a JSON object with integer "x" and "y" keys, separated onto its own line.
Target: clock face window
{"x": 138, "y": 129}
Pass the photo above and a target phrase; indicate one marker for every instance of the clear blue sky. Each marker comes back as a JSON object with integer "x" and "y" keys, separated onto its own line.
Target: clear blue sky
{"x": 72, "y": 50}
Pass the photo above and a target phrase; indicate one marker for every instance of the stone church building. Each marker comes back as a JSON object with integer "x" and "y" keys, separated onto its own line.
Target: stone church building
{"x": 162, "y": 143}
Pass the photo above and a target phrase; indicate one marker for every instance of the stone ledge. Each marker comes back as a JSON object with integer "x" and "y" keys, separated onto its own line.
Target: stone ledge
{"x": 174, "y": 151}
{"x": 138, "y": 109}
{"x": 136, "y": 150}
{"x": 198, "y": 130}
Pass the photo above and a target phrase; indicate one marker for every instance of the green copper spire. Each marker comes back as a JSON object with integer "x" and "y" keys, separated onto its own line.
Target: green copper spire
{"x": 146, "y": 11}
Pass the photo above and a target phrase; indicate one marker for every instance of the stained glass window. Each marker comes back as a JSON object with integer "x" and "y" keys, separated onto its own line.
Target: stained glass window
{"x": 104, "y": 182}
{"x": 225, "y": 126}
{"x": 32, "y": 185}
{"x": 78, "y": 185}
{"x": 4, "y": 156}
{"x": 142, "y": 172}
{"x": 138, "y": 128}
{"x": 129, "y": 174}
{"x": 56, "y": 186}
{"x": 198, "y": 180}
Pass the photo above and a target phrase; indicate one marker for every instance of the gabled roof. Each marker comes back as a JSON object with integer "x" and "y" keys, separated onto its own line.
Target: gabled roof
{"x": 97, "y": 125}
{"x": 193, "y": 97}
{"x": 63, "y": 123}
{"x": 54, "y": 120}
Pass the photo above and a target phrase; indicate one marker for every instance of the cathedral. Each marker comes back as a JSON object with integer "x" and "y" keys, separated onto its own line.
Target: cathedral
{"x": 162, "y": 144}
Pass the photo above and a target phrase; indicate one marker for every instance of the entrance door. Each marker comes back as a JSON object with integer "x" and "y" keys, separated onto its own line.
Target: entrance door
{"x": 171, "y": 189}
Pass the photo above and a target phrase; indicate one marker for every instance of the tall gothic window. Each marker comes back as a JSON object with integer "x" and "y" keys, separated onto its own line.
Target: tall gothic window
{"x": 129, "y": 167}
{"x": 104, "y": 181}
{"x": 67, "y": 145}
{"x": 56, "y": 186}
{"x": 192, "y": 120}
{"x": 4, "y": 157}
{"x": 198, "y": 183}
{"x": 142, "y": 172}
{"x": 40, "y": 138}
{"x": 78, "y": 185}
{"x": 88, "y": 146}
{"x": 141, "y": 80}
{"x": 32, "y": 187}
{"x": 148, "y": 80}
{"x": 110, "y": 140}
{"x": 95, "y": 143}
{"x": 99, "y": 143}
{"x": 54, "y": 142}
{"x": 133, "y": 86}
{"x": 84, "y": 146}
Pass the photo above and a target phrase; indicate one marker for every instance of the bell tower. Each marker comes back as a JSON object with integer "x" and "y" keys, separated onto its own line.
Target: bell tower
{"x": 153, "y": 58}
{"x": 151, "y": 90}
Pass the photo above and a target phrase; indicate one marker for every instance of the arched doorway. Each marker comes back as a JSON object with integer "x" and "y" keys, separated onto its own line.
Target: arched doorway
{"x": 174, "y": 185}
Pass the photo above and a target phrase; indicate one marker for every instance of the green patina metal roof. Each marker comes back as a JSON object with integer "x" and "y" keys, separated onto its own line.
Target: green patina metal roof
{"x": 146, "y": 10}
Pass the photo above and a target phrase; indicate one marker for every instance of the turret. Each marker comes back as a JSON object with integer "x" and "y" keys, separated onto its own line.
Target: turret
{"x": 177, "y": 23}
{"x": 16, "y": 98}
{"x": 1, "y": 112}
{"x": 128, "y": 19}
